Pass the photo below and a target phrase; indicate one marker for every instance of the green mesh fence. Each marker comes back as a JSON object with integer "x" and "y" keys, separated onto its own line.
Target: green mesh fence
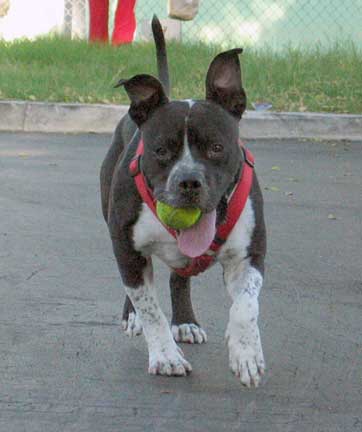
{"x": 266, "y": 22}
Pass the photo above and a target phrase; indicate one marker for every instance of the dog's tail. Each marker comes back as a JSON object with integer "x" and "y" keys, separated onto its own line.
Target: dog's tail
{"x": 162, "y": 65}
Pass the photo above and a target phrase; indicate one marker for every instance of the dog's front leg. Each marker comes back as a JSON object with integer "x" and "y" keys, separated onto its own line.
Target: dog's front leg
{"x": 165, "y": 357}
{"x": 246, "y": 358}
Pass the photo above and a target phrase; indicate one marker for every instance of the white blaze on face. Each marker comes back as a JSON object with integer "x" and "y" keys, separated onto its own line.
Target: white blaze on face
{"x": 190, "y": 102}
{"x": 186, "y": 160}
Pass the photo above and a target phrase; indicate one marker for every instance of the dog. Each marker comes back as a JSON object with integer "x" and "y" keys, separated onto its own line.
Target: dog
{"x": 187, "y": 154}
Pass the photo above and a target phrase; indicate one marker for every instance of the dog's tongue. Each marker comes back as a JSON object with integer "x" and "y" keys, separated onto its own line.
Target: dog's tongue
{"x": 196, "y": 240}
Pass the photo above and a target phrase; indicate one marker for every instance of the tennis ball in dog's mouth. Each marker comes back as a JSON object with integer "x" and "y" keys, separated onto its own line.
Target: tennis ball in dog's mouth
{"x": 177, "y": 218}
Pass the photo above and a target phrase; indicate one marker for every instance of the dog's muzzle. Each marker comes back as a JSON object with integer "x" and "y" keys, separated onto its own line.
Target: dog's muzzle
{"x": 187, "y": 188}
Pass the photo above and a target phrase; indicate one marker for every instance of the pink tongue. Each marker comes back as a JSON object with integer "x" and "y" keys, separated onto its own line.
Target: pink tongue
{"x": 196, "y": 240}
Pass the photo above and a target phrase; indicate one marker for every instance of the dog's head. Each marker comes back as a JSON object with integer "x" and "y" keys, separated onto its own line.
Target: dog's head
{"x": 192, "y": 154}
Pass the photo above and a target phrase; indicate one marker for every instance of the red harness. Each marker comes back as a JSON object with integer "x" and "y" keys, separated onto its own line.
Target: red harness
{"x": 235, "y": 207}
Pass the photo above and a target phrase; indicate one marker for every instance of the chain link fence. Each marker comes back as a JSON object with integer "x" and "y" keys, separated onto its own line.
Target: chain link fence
{"x": 275, "y": 24}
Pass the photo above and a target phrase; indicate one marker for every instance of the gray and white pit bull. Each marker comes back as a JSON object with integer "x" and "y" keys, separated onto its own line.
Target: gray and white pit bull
{"x": 191, "y": 159}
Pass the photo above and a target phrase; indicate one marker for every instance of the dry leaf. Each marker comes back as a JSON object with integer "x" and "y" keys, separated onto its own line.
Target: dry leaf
{"x": 272, "y": 188}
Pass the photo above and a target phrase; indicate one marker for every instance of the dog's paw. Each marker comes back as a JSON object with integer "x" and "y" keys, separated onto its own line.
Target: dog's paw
{"x": 169, "y": 362}
{"x": 189, "y": 333}
{"x": 246, "y": 355}
{"x": 133, "y": 326}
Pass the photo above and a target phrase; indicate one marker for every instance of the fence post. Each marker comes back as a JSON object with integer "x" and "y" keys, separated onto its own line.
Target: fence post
{"x": 75, "y": 18}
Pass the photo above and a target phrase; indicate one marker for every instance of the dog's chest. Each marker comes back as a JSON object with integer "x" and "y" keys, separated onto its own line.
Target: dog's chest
{"x": 151, "y": 238}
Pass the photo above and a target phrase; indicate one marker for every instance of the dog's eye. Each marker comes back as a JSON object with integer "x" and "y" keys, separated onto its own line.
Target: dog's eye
{"x": 217, "y": 148}
{"x": 215, "y": 151}
{"x": 162, "y": 152}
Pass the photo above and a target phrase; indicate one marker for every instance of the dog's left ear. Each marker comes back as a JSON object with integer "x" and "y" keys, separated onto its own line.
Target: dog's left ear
{"x": 223, "y": 82}
{"x": 146, "y": 94}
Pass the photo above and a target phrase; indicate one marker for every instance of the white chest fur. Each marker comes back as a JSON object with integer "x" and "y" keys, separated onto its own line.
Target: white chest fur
{"x": 151, "y": 238}
{"x": 236, "y": 246}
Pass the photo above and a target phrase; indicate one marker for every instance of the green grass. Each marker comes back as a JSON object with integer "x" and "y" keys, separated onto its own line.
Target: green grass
{"x": 54, "y": 69}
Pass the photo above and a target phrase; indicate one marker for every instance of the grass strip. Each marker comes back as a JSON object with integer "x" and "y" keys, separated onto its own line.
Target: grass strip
{"x": 61, "y": 70}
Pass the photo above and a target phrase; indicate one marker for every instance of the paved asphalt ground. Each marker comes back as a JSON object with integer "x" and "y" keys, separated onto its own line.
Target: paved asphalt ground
{"x": 66, "y": 366}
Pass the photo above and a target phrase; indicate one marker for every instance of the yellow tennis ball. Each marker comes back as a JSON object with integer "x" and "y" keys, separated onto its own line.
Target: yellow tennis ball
{"x": 177, "y": 218}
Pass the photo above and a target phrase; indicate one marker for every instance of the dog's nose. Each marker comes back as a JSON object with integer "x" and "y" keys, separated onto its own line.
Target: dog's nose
{"x": 190, "y": 185}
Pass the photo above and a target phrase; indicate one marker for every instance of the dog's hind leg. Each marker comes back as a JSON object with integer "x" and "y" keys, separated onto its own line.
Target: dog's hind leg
{"x": 122, "y": 135}
{"x": 131, "y": 322}
{"x": 184, "y": 325}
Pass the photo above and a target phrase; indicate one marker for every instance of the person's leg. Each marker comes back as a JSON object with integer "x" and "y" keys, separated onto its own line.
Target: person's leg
{"x": 98, "y": 20}
{"x": 124, "y": 22}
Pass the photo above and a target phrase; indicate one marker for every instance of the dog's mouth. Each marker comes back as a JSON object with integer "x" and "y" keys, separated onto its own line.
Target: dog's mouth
{"x": 196, "y": 240}
{"x": 183, "y": 201}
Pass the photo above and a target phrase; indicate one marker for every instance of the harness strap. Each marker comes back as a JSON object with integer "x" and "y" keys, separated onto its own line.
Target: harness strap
{"x": 235, "y": 207}
{"x": 141, "y": 184}
{"x": 237, "y": 202}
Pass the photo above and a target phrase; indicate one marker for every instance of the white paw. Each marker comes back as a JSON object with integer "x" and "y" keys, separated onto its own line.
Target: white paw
{"x": 246, "y": 355}
{"x": 170, "y": 362}
{"x": 133, "y": 326}
{"x": 189, "y": 333}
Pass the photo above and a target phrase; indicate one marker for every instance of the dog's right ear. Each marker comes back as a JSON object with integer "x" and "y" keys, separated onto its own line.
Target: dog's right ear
{"x": 146, "y": 94}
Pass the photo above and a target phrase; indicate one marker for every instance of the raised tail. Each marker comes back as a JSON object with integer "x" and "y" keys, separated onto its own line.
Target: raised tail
{"x": 161, "y": 54}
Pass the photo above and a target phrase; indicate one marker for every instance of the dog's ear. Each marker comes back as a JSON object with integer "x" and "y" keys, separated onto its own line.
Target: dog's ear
{"x": 223, "y": 82}
{"x": 146, "y": 94}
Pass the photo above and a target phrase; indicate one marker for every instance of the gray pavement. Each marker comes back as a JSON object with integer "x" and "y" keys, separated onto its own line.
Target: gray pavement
{"x": 66, "y": 366}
